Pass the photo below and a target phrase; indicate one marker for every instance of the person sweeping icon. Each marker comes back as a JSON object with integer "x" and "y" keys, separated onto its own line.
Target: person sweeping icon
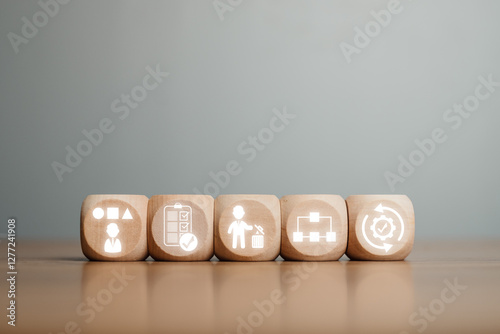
{"x": 238, "y": 227}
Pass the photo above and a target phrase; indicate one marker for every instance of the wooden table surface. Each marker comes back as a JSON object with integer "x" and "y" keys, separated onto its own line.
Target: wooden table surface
{"x": 443, "y": 287}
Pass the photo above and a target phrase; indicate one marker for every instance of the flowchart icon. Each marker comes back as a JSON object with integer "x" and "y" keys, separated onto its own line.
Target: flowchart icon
{"x": 315, "y": 236}
{"x": 314, "y": 227}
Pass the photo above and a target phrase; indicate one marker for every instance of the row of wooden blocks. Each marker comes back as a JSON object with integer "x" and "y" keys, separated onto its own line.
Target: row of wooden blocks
{"x": 246, "y": 227}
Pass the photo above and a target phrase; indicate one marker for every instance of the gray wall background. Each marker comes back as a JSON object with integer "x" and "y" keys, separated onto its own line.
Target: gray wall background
{"x": 352, "y": 121}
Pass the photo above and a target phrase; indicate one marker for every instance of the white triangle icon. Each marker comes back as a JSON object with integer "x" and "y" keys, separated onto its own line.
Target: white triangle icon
{"x": 127, "y": 215}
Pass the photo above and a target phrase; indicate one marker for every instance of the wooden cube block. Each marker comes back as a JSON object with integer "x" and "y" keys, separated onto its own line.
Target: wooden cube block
{"x": 181, "y": 227}
{"x": 113, "y": 227}
{"x": 381, "y": 227}
{"x": 247, "y": 227}
{"x": 313, "y": 227}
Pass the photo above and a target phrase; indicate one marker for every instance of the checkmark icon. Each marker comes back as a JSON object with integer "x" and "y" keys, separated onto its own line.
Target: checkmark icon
{"x": 184, "y": 215}
{"x": 188, "y": 242}
{"x": 383, "y": 228}
{"x": 186, "y": 245}
{"x": 184, "y": 227}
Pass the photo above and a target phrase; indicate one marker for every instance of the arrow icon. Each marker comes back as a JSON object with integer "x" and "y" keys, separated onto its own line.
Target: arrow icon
{"x": 381, "y": 209}
{"x": 387, "y": 247}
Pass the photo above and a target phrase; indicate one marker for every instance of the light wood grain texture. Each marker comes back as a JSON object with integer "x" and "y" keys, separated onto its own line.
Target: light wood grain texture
{"x": 313, "y": 227}
{"x": 181, "y": 227}
{"x": 381, "y": 227}
{"x": 113, "y": 227}
{"x": 247, "y": 227}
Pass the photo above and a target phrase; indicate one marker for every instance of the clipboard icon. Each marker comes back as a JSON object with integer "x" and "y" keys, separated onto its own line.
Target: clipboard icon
{"x": 177, "y": 220}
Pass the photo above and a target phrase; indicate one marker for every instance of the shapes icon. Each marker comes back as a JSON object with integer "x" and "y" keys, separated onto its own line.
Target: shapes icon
{"x": 178, "y": 227}
{"x": 319, "y": 223}
{"x": 127, "y": 215}
{"x": 98, "y": 213}
{"x": 112, "y": 213}
{"x": 238, "y": 227}
{"x": 112, "y": 244}
{"x": 107, "y": 234}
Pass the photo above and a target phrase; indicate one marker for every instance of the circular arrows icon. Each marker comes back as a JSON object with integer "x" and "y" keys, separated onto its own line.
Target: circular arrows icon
{"x": 381, "y": 209}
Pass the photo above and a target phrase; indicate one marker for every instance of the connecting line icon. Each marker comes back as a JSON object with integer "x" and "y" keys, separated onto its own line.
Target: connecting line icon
{"x": 315, "y": 220}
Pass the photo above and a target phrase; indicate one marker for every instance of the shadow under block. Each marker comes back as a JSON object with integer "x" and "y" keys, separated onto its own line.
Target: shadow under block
{"x": 181, "y": 227}
{"x": 381, "y": 227}
{"x": 247, "y": 227}
{"x": 113, "y": 227}
{"x": 313, "y": 227}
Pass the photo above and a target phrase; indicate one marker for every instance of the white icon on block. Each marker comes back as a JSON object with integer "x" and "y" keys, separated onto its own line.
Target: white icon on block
{"x": 298, "y": 236}
{"x": 112, "y": 244}
{"x": 112, "y": 213}
{"x": 315, "y": 219}
{"x": 331, "y": 236}
{"x": 127, "y": 215}
{"x": 258, "y": 238}
{"x": 238, "y": 227}
{"x": 257, "y": 241}
{"x": 98, "y": 213}
{"x": 178, "y": 227}
{"x": 383, "y": 228}
{"x": 188, "y": 242}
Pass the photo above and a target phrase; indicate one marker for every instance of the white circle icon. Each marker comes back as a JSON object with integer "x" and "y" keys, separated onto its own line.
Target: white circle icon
{"x": 188, "y": 242}
{"x": 98, "y": 213}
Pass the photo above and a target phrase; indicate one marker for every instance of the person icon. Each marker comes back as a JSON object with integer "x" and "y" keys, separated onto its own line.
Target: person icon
{"x": 238, "y": 227}
{"x": 112, "y": 245}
